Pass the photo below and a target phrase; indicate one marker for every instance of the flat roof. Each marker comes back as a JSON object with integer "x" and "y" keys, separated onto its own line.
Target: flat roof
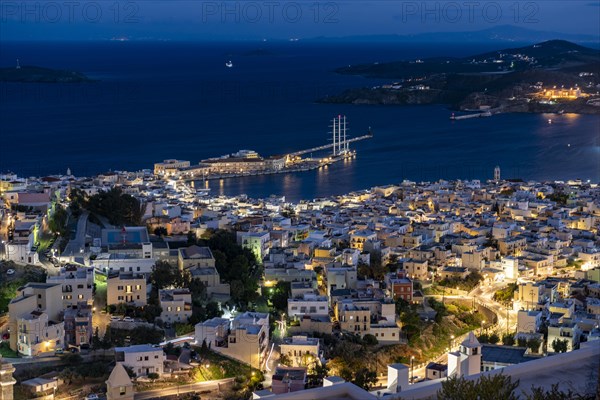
{"x": 138, "y": 348}
{"x": 504, "y": 354}
{"x": 195, "y": 252}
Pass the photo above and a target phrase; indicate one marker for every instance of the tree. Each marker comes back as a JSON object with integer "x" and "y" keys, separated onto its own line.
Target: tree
{"x": 505, "y": 295}
{"x": 71, "y": 358}
{"x": 106, "y": 340}
{"x": 492, "y": 387}
{"x": 96, "y": 341}
{"x": 182, "y": 329}
{"x": 539, "y": 393}
{"x": 402, "y": 305}
{"x": 58, "y": 222}
{"x": 129, "y": 371}
{"x": 120, "y": 208}
{"x": 279, "y": 295}
{"x": 508, "y": 340}
{"x": 370, "y": 340}
{"x": 68, "y": 375}
{"x": 236, "y": 265}
{"x": 153, "y": 376}
{"x": 494, "y": 338}
{"x": 533, "y": 344}
{"x": 163, "y": 275}
{"x": 522, "y": 341}
{"x": 77, "y": 201}
{"x": 484, "y": 338}
{"x": 365, "y": 378}
{"x": 160, "y": 231}
{"x": 284, "y": 359}
{"x": 319, "y": 372}
{"x": 560, "y": 346}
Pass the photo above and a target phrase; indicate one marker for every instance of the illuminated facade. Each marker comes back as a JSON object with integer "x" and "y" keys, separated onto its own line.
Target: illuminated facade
{"x": 562, "y": 93}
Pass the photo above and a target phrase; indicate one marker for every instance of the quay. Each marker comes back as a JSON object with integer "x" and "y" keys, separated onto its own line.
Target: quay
{"x": 250, "y": 163}
{"x": 468, "y": 116}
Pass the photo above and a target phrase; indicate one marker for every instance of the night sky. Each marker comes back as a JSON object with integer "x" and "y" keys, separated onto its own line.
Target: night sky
{"x": 282, "y": 19}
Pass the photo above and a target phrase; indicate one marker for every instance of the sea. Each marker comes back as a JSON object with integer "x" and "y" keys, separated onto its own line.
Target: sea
{"x": 159, "y": 100}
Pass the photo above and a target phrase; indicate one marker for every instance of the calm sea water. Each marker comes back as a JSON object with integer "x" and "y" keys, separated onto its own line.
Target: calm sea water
{"x": 178, "y": 100}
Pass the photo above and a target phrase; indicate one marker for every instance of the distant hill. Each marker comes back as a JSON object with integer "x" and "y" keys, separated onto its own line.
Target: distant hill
{"x": 503, "y": 79}
{"x": 552, "y": 52}
{"x": 500, "y": 34}
{"x": 549, "y": 54}
{"x": 34, "y": 74}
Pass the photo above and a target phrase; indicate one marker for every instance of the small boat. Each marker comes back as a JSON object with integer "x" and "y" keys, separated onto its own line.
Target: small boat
{"x": 229, "y": 64}
{"x": 561, "y": 112}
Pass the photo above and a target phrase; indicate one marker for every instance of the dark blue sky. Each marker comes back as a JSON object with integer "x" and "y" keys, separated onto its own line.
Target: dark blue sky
{"x": 282, "y": 19}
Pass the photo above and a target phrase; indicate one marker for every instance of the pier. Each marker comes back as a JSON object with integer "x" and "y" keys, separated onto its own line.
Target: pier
{"x": 340, "y": 141}
{"x": 249, "y": 163}
{"x": 328, "y": 146}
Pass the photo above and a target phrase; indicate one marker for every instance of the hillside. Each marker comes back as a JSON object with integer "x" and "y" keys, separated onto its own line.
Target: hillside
{"x": 505, "y": 79}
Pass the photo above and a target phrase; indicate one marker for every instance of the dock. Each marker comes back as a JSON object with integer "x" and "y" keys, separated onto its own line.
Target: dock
{"x": 328, "y": 146}
{"x": 248, "y": 163}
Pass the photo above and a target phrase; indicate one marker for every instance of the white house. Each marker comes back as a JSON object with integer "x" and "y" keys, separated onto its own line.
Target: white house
{"x": 142, "y": 358}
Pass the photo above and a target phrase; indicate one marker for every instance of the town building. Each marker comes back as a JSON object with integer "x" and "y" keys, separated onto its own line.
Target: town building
{"x": 213, "y": 331}
{"x": 119, "y": 385}
{"x": 170, "y": 167}
{"x": 34, "y": 319}
{"x": 467, "y": 359}
{"x": 288, "y": 379}
{"x": 126, "y": 287}
{"x": 143, "y": 359}
{"x": 308, "y": 304}
{"x": 302, "y": 351}
{"x": 195, "y": 257}
{"x": 248, "y": 339}
{"x": 176, "y": 305}
{"x": 77, "y": 284}
{"x": 78, "y": 325}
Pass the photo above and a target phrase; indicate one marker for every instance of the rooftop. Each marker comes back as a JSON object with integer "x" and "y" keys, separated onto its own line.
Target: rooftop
{"x": 139, "y": 348}
{"x": 195, "y": 252}
{"x": 505, "y": 354}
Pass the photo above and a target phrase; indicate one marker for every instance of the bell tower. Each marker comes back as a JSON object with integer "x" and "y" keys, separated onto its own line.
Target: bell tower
{"x": 467, "y": 360}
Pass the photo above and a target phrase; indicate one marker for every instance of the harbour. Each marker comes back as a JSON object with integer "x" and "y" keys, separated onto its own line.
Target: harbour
{"x": 245, "y": 163}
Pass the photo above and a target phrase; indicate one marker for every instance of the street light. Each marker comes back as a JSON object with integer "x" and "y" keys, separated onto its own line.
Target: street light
{"x": 412, "y": 370}
{"x": 451, "y": 342}
{"x": 531, "y": 294}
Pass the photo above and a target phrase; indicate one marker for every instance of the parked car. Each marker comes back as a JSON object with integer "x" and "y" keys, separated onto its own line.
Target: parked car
{"x": 58, "y": 352}
{"x": 92, "y": 396}
{"x": 115, "y": 317}
{"x": 128, "y": 319}
{"x": 10, "y": 271}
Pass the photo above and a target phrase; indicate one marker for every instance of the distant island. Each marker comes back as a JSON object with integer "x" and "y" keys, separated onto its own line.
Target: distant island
{"x": 32, "y": 74}
{"x": 552, "y": 76}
